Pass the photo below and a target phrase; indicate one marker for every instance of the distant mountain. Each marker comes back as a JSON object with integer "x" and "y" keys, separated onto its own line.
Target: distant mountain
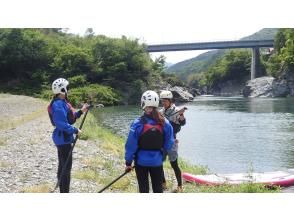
{"x": 167, "y": 64}
{"x": 263, "y": 34}
{"x": 203, "y": 61}
{"x": 196, "y": 64}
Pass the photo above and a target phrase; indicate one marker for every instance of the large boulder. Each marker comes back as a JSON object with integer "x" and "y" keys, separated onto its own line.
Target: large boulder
{"x": 259, "y": 87}
{"x": 195, "y": 92}
{"x": 266, "y": 87}
{"x": 289, "y": 78}
{"x": 181, "y": 94}
{"x": 280, "y": 88}
{"x": 291, "y": 88}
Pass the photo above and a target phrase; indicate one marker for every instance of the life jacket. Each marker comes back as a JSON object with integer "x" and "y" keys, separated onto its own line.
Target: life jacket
{"x": 70, "y": 114}
{"x": 151, "y": 137}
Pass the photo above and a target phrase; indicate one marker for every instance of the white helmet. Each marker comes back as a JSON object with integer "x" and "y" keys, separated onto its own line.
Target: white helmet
{"x": 149, "y": 99}
{"x": 165, "y": 94}
{"x": 60, "y": 86}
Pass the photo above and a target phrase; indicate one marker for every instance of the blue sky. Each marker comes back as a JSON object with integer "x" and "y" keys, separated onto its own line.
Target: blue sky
{"x": 153, "y": 21}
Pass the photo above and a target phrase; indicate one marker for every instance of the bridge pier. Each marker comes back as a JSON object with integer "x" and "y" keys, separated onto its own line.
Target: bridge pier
{"x": 254, "y": 61}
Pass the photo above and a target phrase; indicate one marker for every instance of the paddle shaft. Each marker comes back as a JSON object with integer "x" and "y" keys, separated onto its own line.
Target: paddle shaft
{"x": 100, "y": 191}
{"x": 185, "y": 108}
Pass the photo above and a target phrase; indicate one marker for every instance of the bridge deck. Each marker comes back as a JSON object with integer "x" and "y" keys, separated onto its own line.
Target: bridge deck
{"x": 210, "y": 45}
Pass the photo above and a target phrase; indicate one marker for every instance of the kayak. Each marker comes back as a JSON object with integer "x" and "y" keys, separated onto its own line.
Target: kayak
{"x": 279, "y": 178}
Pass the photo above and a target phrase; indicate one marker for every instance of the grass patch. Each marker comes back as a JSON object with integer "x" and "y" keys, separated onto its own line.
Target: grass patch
{"x": 189, "y": 168}
{"x": 97, "y": 171}
{"x": 240, "y": 188}
{"x": 124, "y": 184}
{"x": 109, "y": 141}
{"x": 9, "y": 123}
{"x": 103, "y": 179}
{"x": 4, "y": 164}
{"x": 3, "y": 141}
{"x": 94, "y": 163}
{"x": 88, "y": 174}
{"x": 41, "y": 188}
{"x": 103, "y": 171}
{"x": 4, "y": 95}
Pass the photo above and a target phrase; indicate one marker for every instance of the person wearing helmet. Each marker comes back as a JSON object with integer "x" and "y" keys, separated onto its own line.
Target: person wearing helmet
{"x": 63, "y": 116}
{"x": 176, "y": 117}
{"x": 149, "y": 135}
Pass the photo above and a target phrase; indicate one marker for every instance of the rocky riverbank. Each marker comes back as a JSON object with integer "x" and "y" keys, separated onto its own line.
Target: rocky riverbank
{"x": 270, "y": 87}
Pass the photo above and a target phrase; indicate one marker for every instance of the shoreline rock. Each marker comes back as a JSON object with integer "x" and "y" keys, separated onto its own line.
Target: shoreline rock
{"x": 270, "y": 87}
{"x": 180, "y": 94}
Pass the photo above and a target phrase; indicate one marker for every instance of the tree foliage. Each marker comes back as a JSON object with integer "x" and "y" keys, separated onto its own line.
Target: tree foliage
{"x": 283, "y": 57}
{"x": 33, "y": 58}
{"x": 22, "y": 53}
{"x": 235, "y": 65}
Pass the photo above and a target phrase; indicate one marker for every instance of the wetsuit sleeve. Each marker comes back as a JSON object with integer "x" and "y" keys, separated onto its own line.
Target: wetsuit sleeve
{"x": 168, "y": 136}
{"x": 131, "y": 145}
{"x": 60, "y": 120}
{"x": 78, "y": 114}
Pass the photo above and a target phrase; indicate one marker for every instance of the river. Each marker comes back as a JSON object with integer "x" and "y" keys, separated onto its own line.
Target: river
{"x": 227, "y": 134}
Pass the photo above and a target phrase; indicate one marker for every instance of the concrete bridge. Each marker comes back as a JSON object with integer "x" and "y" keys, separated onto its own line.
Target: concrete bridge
{"x": 254, "y": 44}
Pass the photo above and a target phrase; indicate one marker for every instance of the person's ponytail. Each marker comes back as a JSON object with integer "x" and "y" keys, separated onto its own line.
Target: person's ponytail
{"x": 156, "y": 115}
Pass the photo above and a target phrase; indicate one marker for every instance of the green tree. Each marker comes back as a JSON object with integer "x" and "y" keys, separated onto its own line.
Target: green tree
{"x": 235, "y": 65}
{"x": 159, "y": 64}
{"x": 283, "y": 57}
{"x": 23, "y": 52}
{"x": 71, "y": 61}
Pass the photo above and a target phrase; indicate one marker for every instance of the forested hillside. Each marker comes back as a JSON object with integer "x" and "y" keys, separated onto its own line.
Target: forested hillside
{"x": 195, "y": 65}
{"x": 106, "y": 70}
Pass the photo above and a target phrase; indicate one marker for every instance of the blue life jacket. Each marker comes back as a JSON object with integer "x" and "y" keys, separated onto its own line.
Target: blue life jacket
{"x": 152, "y": 157}
{"x": 63, "y": 116}
{"x": 70, "y": 114}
